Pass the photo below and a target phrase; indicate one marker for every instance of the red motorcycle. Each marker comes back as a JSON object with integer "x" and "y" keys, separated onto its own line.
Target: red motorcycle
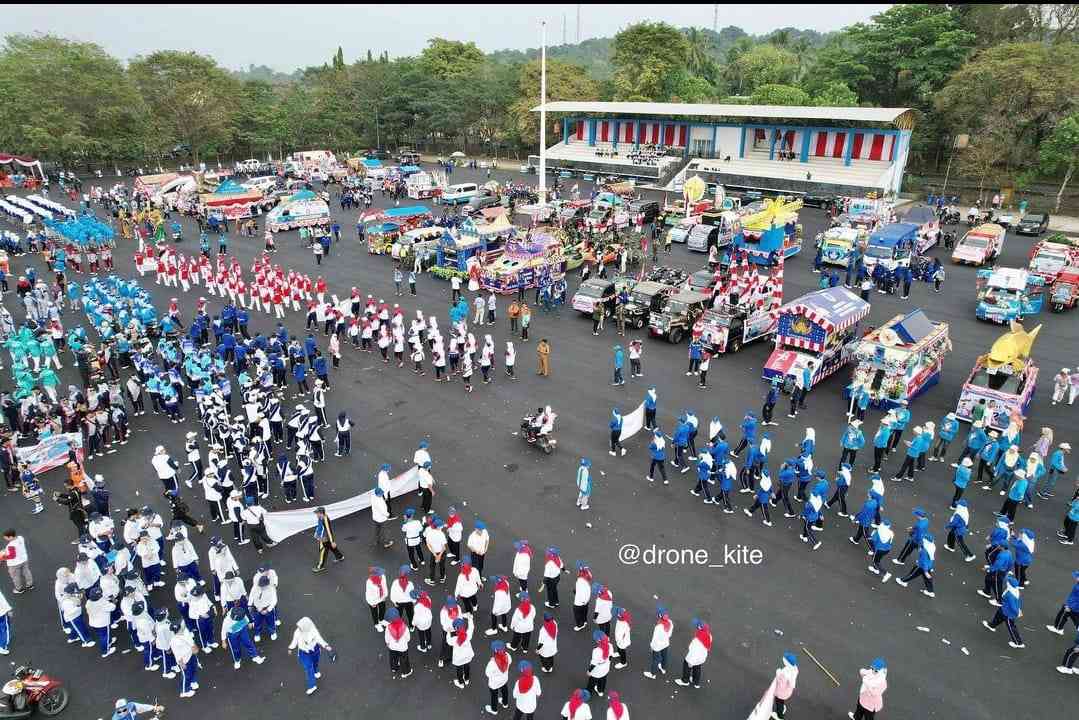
{"x": 31, "y": 689}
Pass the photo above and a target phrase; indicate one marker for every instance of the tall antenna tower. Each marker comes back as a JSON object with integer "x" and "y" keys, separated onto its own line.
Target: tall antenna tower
{"x": 563, "y": 28}
{"x": 715, "y": 18}
{"x": 578, "y": 22}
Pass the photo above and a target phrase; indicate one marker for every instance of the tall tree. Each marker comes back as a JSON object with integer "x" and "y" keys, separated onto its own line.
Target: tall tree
{"x": 1060, "y": 153}
{"x": 190, "y": 94}
{"x": 450, "y": 59}
{"x": 565, "y": 81}
{"x": 763, "y": 64}
{"x": 775, "y": 94}
{"x": 984, "y": 153}
{"x": 699, "y": 57}
{"x": 1033, "y": 85}
{"x": 66, "y": 100}
{"x": 643, "y": 55}
{"x": 910, "y": 51}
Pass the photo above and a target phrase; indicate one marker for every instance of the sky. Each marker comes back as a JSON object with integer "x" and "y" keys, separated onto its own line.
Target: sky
{"x": 286, "y": 37}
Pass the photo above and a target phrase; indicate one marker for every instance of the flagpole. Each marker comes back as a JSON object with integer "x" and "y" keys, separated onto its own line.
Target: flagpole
{"x": 543, "y": 114}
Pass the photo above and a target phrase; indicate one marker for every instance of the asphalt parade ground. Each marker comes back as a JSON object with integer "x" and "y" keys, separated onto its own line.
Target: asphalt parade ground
{"x": 761, "y": 589}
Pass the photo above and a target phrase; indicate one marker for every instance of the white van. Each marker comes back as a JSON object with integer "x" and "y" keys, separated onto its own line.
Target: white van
{"x": 462, "y": 193}
{"x": 263, "y": 183}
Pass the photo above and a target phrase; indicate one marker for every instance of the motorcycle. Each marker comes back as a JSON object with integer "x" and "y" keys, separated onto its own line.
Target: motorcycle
{"x": 531, "y": 434}
{"x": 29, "y": 690}
{"x": 951, "y": 216}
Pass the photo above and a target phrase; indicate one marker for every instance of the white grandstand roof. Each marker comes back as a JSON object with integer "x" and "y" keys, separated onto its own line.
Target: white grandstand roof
{"x": 776, "y": 112}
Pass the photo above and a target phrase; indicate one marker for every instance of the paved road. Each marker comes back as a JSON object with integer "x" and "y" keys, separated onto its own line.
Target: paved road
{"x": 823, "y": 601}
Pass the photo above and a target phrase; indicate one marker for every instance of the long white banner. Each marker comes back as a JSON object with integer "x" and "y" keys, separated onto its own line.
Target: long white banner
{"x": 285, "y": 524}
{"x": 632, "y": 423}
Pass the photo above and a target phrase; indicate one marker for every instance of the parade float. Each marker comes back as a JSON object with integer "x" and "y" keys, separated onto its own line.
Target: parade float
{"x": 821, "y": 328}
{"x": 1050, "y": 256}
{"x": 901, "y": 359}
{"x": 383, "y": 227}
{"x": 231, "y": 200}
{"x": 304, "y": 209}
{"x": 980, "y": 244}
{"x": 1007, "y": 294}
{"x": 716, "y": 229}
{"x": 864, "y": 213}
{"x": 925, "y": 217}
{"x": 746, "y": 309}
{"x": 1064, "y": 292}
{"x": 472, "y": 239}
{"x": 836, "y": 244}
{"x": 772, "y": 228}
{"x": 891, "y": 246}
{"x": 533, "y": 261}
{"x": 1003, "y": 379}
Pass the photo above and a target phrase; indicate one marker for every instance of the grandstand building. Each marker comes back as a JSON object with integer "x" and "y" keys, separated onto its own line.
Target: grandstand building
{"x": 843, "y": 150}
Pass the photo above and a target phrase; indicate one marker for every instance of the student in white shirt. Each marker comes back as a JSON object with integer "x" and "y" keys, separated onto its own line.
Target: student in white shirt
{"x": 308, "y": 643}
{"x": 526, "y": 691}
{"x": 498, "y": 677}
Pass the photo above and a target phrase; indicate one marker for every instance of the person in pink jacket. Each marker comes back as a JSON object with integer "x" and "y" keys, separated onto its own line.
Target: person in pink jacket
{"x": 871, "y": 694}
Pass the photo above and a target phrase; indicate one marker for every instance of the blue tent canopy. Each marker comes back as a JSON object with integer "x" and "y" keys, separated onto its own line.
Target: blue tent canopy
{"x": 920, "y": 215}
{"x": 231, "y": 187}
{"x": 405, "y": 212}
{"x": 913, "y": 327}
{"x": 303, "y": 195}
{"x": 371, "y": 163}
{"x": 409, "y": 169}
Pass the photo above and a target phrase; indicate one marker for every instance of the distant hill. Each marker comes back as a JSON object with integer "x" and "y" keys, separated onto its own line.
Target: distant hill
{"x": 595, "y": 53}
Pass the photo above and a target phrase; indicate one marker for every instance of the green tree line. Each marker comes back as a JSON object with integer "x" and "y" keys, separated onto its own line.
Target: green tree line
{"x": 1005, "y": 76}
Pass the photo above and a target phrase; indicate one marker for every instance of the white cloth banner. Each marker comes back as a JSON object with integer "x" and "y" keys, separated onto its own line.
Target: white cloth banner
{"x": 632, "y": 423}
{"x": 285, "y": 524}
{"x": 763, "y": 709}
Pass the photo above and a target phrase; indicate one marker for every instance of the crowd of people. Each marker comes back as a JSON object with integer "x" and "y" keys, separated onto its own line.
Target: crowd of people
{"x": 188, "y": 367}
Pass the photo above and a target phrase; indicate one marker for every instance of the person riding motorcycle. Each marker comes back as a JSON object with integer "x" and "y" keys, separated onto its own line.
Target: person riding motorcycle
{"x": 127, "y": 710}
{"x": 13, "y": 699}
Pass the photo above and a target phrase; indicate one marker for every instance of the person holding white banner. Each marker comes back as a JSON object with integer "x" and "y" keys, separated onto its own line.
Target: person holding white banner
{"x": 616, "y": 432}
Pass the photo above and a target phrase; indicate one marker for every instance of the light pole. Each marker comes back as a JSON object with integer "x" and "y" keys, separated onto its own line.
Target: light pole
{"x": 543, "y": 114}
{"x": 378, "y": 135}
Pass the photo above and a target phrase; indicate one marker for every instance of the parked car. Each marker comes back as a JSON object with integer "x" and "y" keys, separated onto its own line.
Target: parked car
{"x": 702, "y": 281}
{"x": 819, "y": 200}
{"x": 648, "y": 208}
{"x": 1033, "y": 224}
{"x": 480, "y": 202}
{"x": 1004, "y": 218}
{"x": 646, "y": 298}
{"x": 592, "y": 291}
{"x": 679, "y": 314}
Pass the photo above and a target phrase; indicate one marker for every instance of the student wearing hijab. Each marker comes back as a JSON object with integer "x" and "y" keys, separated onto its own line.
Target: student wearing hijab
{"x": 599, "y": 665}
{"x": 526, "y": 691}
{"x": 547, "y": 645}
{"x": 699, "y": 646}
{"x": 576, "y": 708}
{"x": 498, "y": 677}
{"x": 397, "y": 636}
{"x": 308, "y": 644}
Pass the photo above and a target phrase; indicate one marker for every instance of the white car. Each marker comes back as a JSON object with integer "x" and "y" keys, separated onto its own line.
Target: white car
{"x": 249, "y": 165}
{"x": 1004, "y": 218}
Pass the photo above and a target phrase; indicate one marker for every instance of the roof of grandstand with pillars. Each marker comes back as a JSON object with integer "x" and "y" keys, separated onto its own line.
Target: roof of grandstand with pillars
{"x": 899, "y": 118}
{"x": 840, "y": 146}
